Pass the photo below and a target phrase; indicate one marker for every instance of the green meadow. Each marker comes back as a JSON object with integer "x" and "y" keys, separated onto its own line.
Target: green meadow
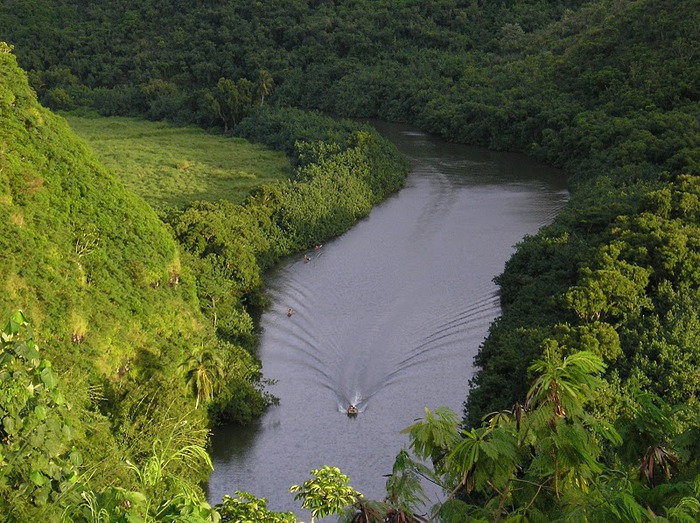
{"x": 174, "y": 166}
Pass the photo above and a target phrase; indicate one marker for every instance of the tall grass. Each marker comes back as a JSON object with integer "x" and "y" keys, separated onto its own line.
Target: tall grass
{"x": 174, "y": 166}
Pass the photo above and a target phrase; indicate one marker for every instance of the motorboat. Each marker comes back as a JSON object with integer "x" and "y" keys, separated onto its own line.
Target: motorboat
{"x": 352, "y": 410}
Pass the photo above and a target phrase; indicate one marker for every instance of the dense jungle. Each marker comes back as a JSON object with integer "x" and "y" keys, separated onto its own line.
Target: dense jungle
{"x": 131, "y": 323}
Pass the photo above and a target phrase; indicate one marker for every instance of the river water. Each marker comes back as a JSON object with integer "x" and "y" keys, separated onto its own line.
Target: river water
{"x": 388, "y": 316}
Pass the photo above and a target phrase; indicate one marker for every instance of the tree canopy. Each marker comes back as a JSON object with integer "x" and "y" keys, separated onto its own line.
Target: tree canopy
{"x": 597, "y": 343}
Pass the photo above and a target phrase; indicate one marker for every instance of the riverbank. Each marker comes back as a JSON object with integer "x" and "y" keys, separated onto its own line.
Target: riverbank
{"x": 389, "y": 315}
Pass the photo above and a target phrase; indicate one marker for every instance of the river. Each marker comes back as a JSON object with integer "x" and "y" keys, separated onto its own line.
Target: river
{"x": 388, "y": 316}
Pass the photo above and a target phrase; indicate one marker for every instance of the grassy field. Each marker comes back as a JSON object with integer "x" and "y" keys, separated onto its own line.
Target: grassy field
{"x": 177, "y": 165}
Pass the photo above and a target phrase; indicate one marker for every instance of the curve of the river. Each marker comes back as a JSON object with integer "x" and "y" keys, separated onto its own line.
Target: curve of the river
{"x": 389, "y": 315}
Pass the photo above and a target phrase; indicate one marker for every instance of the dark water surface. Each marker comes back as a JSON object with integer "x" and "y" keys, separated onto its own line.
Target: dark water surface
{"x": 389, "y": 316}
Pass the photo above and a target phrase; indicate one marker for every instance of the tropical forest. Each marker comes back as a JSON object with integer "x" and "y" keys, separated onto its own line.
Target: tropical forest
{"x": 159, "y": 157}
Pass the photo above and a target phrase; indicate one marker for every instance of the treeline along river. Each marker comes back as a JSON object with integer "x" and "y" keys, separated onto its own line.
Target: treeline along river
{"x": 388, "y": 316}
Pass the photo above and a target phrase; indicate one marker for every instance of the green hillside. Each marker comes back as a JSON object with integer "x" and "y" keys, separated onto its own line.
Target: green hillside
{"x": 81, "y": 255}
{"x": 95, "y": 272}
{"x": 131, "y": 342}
{"x": 592, "y": 369}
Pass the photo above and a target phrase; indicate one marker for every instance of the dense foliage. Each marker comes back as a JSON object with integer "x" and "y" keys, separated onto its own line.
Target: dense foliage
{"x": 51, "y": 433}
{"x": 599, "y": 309}
{"x": 118, "y": 304}
{"x": 342, "y": 170}
{"x": 116, "y": 314}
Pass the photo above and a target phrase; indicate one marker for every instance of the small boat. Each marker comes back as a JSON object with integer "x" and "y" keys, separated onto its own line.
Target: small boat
{"x": 352, "y": 410}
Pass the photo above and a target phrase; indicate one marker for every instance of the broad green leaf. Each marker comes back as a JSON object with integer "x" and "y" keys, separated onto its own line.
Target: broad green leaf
{"x": 9, "y": 424}
{"x": 17, "y": 320}
{"x": 76, "y": 458}
{"x": 37, "y": 478}
{"x": 40, "y": 412}
{"x": 48, "y": 377}
{"x": 28, "y": 352}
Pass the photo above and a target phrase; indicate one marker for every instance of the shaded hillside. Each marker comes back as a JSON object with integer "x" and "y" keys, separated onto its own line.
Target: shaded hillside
{"x": 586, "y": 85}
{"x": 351, "y": 58}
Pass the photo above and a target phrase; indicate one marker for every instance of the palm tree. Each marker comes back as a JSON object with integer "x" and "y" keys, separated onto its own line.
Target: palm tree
{"x": 650, "y": 433}
{"x": 265, "y": 83}
{"x": 435, "y": 436}
{"x": 657, "y": 457}
{"x": 203, "y": 370}
{"x": 565, "y": 382}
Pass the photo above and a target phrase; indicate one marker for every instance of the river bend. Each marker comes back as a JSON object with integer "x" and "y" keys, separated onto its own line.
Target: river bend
{"x": 388, "y": 316}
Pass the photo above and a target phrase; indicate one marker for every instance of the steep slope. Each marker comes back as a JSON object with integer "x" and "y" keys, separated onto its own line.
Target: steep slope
{"x": 94, "y": 269}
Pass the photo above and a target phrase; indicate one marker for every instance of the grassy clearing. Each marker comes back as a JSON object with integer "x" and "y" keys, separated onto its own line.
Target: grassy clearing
{"x": 177, "y": 165}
